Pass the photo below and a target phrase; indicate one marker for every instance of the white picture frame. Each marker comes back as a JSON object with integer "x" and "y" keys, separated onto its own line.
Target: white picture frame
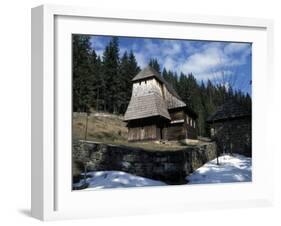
{"x": 52, "y": 197}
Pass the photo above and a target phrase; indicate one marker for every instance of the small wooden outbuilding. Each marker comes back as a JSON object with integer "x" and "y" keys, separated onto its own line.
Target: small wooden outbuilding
{"x": 156, "y": 112}
{"x": 231, "y": 127}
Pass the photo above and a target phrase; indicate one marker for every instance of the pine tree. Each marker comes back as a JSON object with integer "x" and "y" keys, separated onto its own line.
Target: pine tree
{"x": 165, "y": 74}
{"x": 155, "y": 65}
{"x": 133, "y": 70}
{"x": 81, "y": 73}
{"x": 97, "y": 82}
{"x": 183, "y": 88}
{"x": 128, "y": 69}
{"x": 170, "y": 77}
{"x": 111, "y": 77}
{"x": 105, "y": 84}
{"x": 124, "y": 80}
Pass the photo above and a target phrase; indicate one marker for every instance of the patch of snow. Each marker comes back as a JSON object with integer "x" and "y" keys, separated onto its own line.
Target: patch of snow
{"x": 236, "y": 168}
{"x": 116, "y": 179}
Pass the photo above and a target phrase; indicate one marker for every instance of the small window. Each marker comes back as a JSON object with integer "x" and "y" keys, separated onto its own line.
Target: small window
{"x": 139, "y": 83}
{"x": 145, "y": 82}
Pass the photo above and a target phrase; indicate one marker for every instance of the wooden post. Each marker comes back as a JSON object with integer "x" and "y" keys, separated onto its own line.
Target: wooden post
{"x": 217, "y": 151}
{"x": 86, "y": 126}
{"x": 217, "y": 143}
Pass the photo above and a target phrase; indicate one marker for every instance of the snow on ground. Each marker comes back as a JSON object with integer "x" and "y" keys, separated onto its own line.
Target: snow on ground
{"x": 116, "y": 179}
{"x": 236, "y": 168}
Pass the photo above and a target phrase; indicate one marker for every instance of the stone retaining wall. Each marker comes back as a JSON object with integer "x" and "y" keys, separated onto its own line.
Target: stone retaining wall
{"x": 168, "y": 166}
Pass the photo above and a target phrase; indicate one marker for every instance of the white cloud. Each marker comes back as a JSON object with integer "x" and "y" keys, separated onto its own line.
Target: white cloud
{"x": 141, "y": 59}
{"x": 170, "y": 47}
{"x": 232, "y": 48}
{"x": 209, "y": 60}
{"x": 99, "y": 53}
{"x": 215, "y": 60}
{"x": 97, "y": 42}
{"x": 166, "y": 51}
{"x": 189, "y": 47}
{"x": 218, "y": 76}
{"x": 170, "y": 64}
{"x": 122, "y": 51}
{"x": 150, "y": 48}
{"x": 206, "y": 60}
{"x": 226, "y": 85}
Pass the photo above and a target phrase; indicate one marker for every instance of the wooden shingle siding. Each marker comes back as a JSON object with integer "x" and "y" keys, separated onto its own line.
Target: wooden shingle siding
{"x": 155, "y": 111}
{"x": 172, "y": 101}
{"x": 146, "y": 106}
{"x": 147, "y": 87}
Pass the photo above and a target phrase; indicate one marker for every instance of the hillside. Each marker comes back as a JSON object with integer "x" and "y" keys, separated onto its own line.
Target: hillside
{"x": 102, "y": 127}
{"x": 110, "y": 129}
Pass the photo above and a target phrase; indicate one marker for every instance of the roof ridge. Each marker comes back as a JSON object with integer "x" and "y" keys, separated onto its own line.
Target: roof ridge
{"x": 148, "y": 72}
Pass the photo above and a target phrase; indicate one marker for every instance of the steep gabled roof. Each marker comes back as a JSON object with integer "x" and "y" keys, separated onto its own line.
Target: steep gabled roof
{"x": 174, "y": 102}
{"x": 153, "y": 104}
{"x": 146, "y": 106}
{"x": 149, "y": 72}
{"x": 145, "y": 73}
{"x": 229, "y": 110}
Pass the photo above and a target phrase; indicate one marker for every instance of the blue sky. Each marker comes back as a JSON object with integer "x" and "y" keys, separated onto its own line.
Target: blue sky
{"x": 228, "y": 63}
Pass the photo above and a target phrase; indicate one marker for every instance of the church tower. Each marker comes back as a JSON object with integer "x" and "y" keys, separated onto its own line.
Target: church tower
{"x": 152, "y": 107}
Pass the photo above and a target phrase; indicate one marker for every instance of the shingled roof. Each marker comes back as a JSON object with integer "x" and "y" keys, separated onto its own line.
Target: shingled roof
{"x": 148, "y": 72}
{"x": 230, "y": 110}
{"x": 146, "y": 106}
{"x": 154, "y": 104}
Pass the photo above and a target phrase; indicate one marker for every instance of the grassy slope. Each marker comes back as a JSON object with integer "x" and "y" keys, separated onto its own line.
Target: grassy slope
{"x": 102, "y": 128}
{"x": 111, "y": 129}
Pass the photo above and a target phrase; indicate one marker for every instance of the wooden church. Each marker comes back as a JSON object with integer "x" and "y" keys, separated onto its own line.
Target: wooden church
{"x": 156, "y": 112}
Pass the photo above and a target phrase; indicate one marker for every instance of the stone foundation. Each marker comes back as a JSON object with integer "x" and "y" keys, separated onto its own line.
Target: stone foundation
{"x": 169, "y": 166}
